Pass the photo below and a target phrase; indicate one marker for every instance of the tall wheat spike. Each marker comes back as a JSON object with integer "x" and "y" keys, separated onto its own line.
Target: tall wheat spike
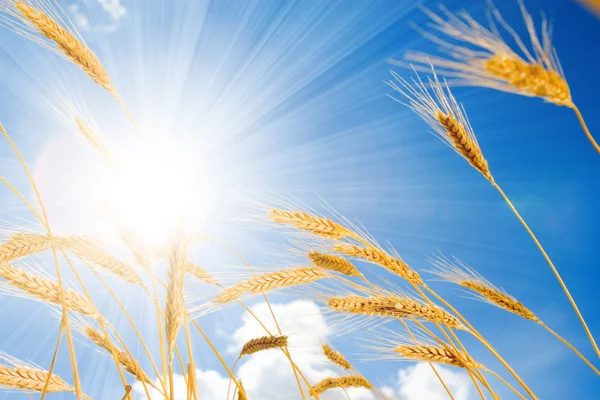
{"x": 32, "y": 379}
{"x": 341, "y": 382}
{"x": 336, "y": 357}
{"x": 333, "y": 263}
{"x": 175, "y": 304}
{"x": 68, "y": 44}
{"x": 23, "y": 244}
{"x": 445, "y": 116}
{"x": 381, "y": 258}
{"x": 263, "y": 343}
{"x": 320, "y": 226}
{"x": 46, "y": 290}
{"x": 437, "y": 354}
{"x": 479, "y": 56}
{"x": 130, "y": 364}
{"x": 272, "y": 281}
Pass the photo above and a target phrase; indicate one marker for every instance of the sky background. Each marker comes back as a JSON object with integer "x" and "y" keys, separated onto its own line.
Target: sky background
{"x": 287, "y": 99}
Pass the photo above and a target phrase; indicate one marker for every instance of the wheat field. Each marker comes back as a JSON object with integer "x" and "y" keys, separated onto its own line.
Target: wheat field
{"x": 192, "y": 235}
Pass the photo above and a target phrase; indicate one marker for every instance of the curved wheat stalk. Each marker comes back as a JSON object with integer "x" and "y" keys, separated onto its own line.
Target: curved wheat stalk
{"x": 532, "y": 70}
{"x": 333, "y": 263}
{"x": 32, "y": 379}
{"x": 271, "y": 281}
{"x": 73, "y": 48}
{"x": 263, "y": 343}
{"x": 341, "y": 382}
{"x": 381, "y": 258}
{"x": 320, "y": 226}
{"x": 336, "y": 357}
{"x": 130, "y": 364}
{"x": 46, "y": 290}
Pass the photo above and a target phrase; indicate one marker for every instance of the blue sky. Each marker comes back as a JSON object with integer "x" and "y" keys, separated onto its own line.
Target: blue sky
{"x": 289, "y": 97}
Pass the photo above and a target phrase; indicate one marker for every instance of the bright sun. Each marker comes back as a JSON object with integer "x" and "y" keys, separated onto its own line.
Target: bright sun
{"x": 152, "y": 191}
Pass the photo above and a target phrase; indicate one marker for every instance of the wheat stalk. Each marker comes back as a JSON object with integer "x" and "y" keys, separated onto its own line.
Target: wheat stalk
{"x": 68, "y": 44}
{"x": 263, "y": 343}
{"x": 47, "y": 290}
{"x": 336, "y": 357}
{"x": 443, "y": 355}
{"x": 32, "y": 379}
{"x": 95, "y": 139}
{"x": 23, "y": 244}
{"x": 393, "y": 307}
{"x": 341, "y": 382}
{"x": 379, "y": 257}
{"x": 200, "y": 273}
{"x": 316, "y": 225}
{"x": 175, "y": 304}
{"x": 272, "y": 281}
{"x": 436, "y": 105}
{"x": 129, "y": 363}
{"x": 333, "y": 263}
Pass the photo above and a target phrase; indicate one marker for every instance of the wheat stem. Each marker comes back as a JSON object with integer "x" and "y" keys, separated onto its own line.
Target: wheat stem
{"x": 584, "y": 127}
{"x": 65, "y": 312}
{"x": 556, "y": 335}
{"x": 554, "y": 270}
{"x": 506, "y": 383}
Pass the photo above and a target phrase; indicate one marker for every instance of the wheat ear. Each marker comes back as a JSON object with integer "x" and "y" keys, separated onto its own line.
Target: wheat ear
{"x": 443, "y": 355}
{"x": 341, "y": 382}
{"x": 336, "y": 357}
{"x": 70, "y": 46}
{"x": 175, "y": 304}
{"x": 32, "y": 379}
{"x": 263, "y": 343}
{"x": 272, "y": 281}
{"x": 47, "y": 290}
{"x": 200, "y": 273}
{"x": 379, "y": 257}
{"x": 333, "y": 263}
{"x": 23, "y": 244}
{"x": 320, "y": 226}
{"x": 94, "y": 138}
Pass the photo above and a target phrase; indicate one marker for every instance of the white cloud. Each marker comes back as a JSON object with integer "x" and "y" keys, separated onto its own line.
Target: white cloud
{"x": 267, "y": 375}
{"x": 114, "y": 8}
{"x": 418, "y": 382}
{"x": 79, "y": 18}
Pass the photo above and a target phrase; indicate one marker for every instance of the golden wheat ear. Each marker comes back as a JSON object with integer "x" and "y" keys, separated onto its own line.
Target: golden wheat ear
{"x": 336, "y": 357}
{"x": 341, "y": 382}
{"x": 264, "y": 343}
{"x": 436, "y": 105}
{"x": 66, "y": 40}
{"x": 458, "y": 272}
{"x": 479, "y": 56}
{"x": 15, "y": 374}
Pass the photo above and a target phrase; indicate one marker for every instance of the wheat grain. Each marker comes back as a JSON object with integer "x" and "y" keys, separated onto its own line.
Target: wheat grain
{"x": 527, "y": 70}
{"x": 46, "y": 290}
{"x": 130, "y": 364}
{"x": 272, "y": 281}
{"x": 69, "y": 45}
{"x": 436, "y": 105}
{"x": 379, "y": 257}
{"x": 333, "y": 263}
{"x": 32, "y": 379}
{"x": 443, "y": 355}
{"x": 263, "y": 343}
{"x": 175, "y": 304}
{"x": 336, "y": 357}
{"x": 316, "y": 225}
{"x": 200, "y": 273}
{"x": 23, "y": 244}
{"x": 341, "y": 382}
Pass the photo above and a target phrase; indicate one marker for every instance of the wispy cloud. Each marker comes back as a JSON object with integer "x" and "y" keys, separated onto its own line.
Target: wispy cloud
{"x": 113, "y": 12}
